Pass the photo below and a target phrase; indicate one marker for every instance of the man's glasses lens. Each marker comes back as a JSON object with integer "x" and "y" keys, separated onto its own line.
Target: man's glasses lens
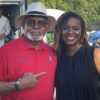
{"x": 33, "y": 23}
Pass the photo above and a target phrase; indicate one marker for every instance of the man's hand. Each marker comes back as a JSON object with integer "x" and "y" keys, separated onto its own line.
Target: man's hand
{"x": 30, "y": 80}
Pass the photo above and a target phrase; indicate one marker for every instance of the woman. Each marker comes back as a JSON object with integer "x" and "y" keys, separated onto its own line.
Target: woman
{"x": 78, "y": 69}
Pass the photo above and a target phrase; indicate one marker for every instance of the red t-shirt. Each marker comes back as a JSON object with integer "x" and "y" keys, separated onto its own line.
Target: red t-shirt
{"x": 18, "y": 57}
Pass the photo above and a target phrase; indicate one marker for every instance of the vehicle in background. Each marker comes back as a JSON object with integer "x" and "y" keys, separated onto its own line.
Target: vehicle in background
{"x": 12, "y": 9}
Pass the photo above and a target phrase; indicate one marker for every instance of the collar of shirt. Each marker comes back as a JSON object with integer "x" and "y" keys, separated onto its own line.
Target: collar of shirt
{"x": 25, "y": 45}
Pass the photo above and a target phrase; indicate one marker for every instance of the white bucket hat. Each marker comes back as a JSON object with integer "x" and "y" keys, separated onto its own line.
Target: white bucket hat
{"x": 37, "y": 9}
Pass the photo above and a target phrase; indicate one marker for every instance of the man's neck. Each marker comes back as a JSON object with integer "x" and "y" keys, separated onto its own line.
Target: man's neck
{"x": 34, "y": 44}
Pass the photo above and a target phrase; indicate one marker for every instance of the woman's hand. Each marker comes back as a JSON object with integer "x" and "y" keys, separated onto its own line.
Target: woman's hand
{"x": 2, "y": 36}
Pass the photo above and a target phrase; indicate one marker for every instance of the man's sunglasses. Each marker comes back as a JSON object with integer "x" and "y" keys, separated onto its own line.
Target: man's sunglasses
{"x": 33, "y": 23}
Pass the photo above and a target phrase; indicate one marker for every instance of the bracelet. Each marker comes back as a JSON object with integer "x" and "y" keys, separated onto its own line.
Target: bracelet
{"x": 16, "y": 85}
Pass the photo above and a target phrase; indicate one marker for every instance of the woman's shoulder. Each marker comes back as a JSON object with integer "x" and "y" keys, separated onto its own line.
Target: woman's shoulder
{"x": 88, "y": 48}
{"x": 85, "y": 49}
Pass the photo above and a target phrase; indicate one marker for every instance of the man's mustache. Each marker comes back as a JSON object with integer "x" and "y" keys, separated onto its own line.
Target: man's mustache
{"x": 35, "y": 30}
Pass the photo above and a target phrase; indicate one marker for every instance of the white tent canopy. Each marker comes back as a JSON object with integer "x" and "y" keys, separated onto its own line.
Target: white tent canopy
{"x": 55, "y": 13}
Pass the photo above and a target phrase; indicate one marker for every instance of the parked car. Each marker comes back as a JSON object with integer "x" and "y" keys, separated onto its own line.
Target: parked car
{"x": 12, "y": 9}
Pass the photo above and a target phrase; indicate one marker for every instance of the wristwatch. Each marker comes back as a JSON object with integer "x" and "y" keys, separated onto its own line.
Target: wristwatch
{"x": 16, "y": 85}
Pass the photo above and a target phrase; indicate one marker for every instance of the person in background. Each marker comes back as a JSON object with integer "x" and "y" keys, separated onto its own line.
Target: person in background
{"x": 94, "y": 39}
{"x": 78, "y": 67}
{"x": 28, "y": 64}
{"x": 4, "y": 27}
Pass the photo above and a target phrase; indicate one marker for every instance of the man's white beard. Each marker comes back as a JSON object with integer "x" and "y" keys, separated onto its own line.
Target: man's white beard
{"x": 32, "y": 37}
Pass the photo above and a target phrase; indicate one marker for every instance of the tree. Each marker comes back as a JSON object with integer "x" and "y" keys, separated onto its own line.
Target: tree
{"x": 88, "y": 9}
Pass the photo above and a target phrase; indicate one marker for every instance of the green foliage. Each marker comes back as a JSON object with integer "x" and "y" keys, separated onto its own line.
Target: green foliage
{"x": 49, "y": 37}
{"x": 88, "y": 9}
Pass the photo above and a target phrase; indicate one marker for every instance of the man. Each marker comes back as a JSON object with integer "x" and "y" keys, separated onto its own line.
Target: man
{"x": 27, "y": 65}
{"x": 4, "y": 27}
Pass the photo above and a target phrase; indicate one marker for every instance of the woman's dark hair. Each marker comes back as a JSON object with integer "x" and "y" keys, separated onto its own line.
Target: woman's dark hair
{"x": 59, "y": 43}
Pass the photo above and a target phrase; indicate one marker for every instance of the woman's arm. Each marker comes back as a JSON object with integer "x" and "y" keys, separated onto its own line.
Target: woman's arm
{"x": 97, "y": 59}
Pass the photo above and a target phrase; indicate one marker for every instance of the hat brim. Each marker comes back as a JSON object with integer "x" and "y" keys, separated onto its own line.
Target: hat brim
{"x": 52, "y": 20}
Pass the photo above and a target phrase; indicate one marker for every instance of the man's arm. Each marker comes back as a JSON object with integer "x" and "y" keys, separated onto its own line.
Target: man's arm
{"x": 2, "y": 36}
{"x": 28, "y": 80}
{"x": 7, "y": 28}
{"x": 6, "y": 87}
